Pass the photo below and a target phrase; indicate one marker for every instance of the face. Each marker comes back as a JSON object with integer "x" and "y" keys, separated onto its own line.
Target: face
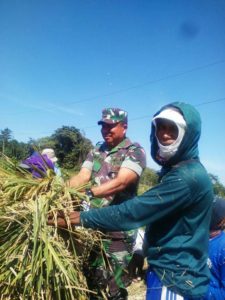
{"x": 166, "y": 131}
{"x": 113, "y": 134}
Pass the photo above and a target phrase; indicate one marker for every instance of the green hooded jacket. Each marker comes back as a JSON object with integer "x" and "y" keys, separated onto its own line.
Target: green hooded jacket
{"x": 176, "y": 213}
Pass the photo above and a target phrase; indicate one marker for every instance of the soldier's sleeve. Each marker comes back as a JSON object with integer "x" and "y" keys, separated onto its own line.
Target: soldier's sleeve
{"x": 135, "y": 159}
{"x": 88, "y": 163}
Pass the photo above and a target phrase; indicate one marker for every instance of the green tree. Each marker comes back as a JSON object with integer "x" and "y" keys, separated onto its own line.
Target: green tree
{"x": 45, "y": 142}
{"x": 71, "y": 146}
{"x": 17, "y": 150}
{"x": 148, "y": 179}
{"x": 218, "y": 187}
{"x": 5, "y": 137}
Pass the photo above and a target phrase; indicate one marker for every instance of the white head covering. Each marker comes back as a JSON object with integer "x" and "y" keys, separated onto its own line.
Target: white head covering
{"x": 171, "y": 114}
{"x": 50, "y": 153}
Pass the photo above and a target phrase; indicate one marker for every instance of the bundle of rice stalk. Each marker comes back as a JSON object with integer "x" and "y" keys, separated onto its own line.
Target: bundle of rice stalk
{"x": 38, "y": 261}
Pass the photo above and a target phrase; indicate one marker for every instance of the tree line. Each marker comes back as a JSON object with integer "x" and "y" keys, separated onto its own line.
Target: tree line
{"x": 71, "y": 147}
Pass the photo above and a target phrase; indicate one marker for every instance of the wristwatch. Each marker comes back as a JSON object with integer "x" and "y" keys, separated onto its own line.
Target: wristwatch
{"x": 89, "y": 193}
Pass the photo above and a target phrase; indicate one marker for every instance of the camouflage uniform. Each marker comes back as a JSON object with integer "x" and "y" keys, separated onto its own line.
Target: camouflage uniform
{"x": 105, "y": 165}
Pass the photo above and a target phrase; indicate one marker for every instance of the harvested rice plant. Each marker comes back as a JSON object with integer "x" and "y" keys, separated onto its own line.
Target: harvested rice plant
{"x": 39, "y": 261}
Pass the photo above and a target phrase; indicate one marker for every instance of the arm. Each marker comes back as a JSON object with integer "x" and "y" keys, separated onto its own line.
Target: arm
{"x": 84, "y": 175}
{"x": 137, "y": 212}
{"x": 125, "y": 178}
{"x": 164, "y": 199}
{"x": 80, "y": 179}
{"x": 61, "y": 222}
{"x": 173, "y": 195}
{"x": 129, "y": 173}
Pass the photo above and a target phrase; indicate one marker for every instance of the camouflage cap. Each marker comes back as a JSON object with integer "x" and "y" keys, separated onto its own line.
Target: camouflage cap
{"x": 113, "y": 115}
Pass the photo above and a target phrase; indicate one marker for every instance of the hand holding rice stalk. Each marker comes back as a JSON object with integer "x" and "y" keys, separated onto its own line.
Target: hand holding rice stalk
{"x": 39, "y": 261}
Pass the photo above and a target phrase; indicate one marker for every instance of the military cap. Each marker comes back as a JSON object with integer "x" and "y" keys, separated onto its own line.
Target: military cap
{"x": 113, "y": 116}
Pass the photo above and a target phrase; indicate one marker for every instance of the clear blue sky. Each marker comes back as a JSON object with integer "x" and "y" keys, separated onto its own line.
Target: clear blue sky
{"x": 61, "y": 62}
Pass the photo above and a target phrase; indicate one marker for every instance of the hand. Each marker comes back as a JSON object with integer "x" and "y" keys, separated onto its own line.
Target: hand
{"x": 61, "y": 222}
{"x": 75, "y": 218}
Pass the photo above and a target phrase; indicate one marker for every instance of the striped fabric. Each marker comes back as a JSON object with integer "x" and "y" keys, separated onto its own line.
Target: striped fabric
{"x": 169, "y": 295}
{"x": 156, "y": 291}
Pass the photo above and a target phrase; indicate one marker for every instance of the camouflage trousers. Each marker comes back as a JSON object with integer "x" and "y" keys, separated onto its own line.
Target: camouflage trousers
{"x": 107, "y": 275}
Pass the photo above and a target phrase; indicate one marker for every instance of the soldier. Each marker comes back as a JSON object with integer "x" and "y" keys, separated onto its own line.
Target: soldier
{"x": 114, "y": 166}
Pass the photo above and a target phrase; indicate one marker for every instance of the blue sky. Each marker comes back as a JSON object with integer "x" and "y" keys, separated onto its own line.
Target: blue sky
{"x": 61, "y": 62}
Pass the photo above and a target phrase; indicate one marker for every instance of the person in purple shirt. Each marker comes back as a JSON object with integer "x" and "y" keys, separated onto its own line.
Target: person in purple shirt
{"x": 37, "y": 164}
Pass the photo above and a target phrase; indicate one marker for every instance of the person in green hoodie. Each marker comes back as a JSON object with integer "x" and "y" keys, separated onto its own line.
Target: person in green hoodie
{"x": 176, "y": 212}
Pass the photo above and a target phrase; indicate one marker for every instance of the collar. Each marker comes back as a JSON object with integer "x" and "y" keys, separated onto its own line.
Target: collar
{"x": 124, "y": 144}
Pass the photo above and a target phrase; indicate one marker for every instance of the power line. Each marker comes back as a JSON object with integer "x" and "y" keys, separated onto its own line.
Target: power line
{"x": 150, "y": 116}
{"x": 212, "y": 101}
{"x": 149, "y": 82}
{"x": 147, "y": 116}
{"x": 142, "y": 117}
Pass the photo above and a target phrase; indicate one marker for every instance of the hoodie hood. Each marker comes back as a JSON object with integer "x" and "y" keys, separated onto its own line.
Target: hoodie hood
{"x": 188, "y": 148}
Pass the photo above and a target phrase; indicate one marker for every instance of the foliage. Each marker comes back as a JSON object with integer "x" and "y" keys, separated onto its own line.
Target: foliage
{"x": 70, "y": 145}
{"x": 45, "y": 142}
{"x": 6, "y": 134}
{"x": 5, "y": 137}
{"x": 148, "y": 179}
{"x": 16, "y": 150}
{"x": 218, "y": 188}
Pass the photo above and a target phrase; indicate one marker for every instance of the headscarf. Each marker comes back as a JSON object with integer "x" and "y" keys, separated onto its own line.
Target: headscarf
{"x": 173, "y": 115}
{"x": 188, "y": 147}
